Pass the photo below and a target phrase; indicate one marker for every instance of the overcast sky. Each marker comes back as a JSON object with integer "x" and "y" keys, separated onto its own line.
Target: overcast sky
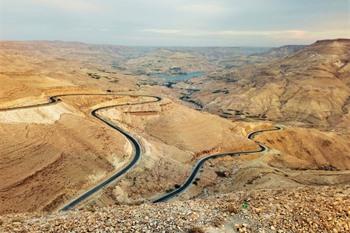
{"x": 176, "y": 22}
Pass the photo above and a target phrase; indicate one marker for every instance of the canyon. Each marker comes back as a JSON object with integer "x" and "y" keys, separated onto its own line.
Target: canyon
{"x": 72, "y": 115}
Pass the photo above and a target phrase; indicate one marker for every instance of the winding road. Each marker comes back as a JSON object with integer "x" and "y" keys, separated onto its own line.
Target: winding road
{"x": 137, "y": 148}
{"x": 134, "y": 142}
{"x": 199, "y": 164}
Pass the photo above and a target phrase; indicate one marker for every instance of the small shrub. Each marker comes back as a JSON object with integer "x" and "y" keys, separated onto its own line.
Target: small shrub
{"x": 232, "y": 208}
{"x": 196, "y": 230}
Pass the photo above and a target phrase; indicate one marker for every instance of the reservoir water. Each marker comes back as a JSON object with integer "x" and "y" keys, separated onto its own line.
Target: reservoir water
{"x": 179, "y": 77}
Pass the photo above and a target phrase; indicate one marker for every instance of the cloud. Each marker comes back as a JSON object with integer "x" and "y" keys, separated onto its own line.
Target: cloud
{"x": 176, "y": 22}
{"x": 277, "y": 35}
{"x": 203, "y": 8}
{"x": 228, "y": 33}
{"x": 287, "y": 33}
{"x": 162, "y": 31}
{"x": 70, "y": 5}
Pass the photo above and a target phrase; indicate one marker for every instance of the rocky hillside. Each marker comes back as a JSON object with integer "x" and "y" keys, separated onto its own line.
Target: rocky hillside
{"x": 164, "y": 60}
{"x": 51, "y": 154}
{"x": 311, "y": 86}
{"x": 281, "y": 52}
{"x": 256, "y": 211}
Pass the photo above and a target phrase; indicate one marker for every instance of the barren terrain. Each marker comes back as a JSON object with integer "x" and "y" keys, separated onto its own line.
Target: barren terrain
{"x": 309, "y": 87}
{"x": 53, "y": 152}
{"x": 250, "y": 211}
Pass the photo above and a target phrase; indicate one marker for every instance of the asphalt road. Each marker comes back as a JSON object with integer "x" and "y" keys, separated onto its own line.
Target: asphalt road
{"x": 137, "y": 149}
{"x": 135, "y": 144}
{"x": 199, "y": 164}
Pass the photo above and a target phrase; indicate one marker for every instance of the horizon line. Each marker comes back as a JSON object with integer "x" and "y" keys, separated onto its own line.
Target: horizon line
{"x": 159, "y": 46}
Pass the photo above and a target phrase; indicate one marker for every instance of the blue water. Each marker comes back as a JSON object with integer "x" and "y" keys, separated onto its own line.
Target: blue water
{"x": 179, "y": 77}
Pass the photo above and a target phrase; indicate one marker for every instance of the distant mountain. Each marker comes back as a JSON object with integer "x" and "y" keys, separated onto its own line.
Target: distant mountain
{"x": 281, "y": 51}
{"x": 310, "y": 86}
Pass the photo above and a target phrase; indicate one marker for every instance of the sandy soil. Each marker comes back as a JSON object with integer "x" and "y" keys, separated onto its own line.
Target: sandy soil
{"x": 44, "y": 165}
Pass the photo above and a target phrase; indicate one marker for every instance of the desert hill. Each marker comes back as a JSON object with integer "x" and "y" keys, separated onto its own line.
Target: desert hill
{"x": 310, "y": 86}
{"x": 162, "y": 60}
{"x": 60, "y": 150}
{"x": 281, "y": 52}
{"x": 50, "y": 154}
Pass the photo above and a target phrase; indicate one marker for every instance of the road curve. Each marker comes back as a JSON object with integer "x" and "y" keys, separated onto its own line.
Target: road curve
{"x": 137, "y": 148}
{"x": 196, "y": 168}
{"x": 134, "y": 142}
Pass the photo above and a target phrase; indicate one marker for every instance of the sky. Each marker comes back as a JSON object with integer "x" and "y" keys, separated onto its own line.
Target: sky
{"x": 176, "y": 22}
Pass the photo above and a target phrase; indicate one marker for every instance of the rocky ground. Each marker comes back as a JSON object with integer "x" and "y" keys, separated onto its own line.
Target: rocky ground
{"x": 309, "y": 209}
{"x": 309, "y": 87}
